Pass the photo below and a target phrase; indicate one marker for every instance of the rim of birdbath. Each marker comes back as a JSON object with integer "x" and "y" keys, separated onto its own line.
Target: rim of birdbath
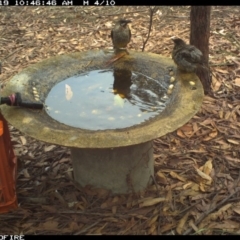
{"x": 185, "y": 99}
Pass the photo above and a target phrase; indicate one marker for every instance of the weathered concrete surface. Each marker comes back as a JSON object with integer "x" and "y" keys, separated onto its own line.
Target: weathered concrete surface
{"x": 120, "y": 170}
{"x": 184, "y": 102}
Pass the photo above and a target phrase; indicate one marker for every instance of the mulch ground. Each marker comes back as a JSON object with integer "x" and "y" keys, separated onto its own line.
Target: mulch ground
{"x": 197, "y": 167}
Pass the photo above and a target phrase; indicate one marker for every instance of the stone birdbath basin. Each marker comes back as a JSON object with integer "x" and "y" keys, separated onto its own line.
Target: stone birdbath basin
{"x": 106, "y": 152}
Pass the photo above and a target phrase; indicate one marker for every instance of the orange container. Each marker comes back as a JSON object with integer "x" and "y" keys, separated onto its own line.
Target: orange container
{"x": 8, "y": 170}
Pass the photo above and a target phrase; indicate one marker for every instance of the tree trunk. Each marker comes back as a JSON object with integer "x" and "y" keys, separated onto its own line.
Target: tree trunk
{"x": 199, "y": 37}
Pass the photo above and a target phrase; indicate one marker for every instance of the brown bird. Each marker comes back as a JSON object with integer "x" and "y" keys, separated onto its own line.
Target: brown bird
{"x": 121, "y": 34}
{"x": 187, "y": 57}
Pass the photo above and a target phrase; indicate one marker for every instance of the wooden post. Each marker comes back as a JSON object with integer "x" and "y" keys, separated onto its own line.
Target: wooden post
{"x": 199, "y": 37}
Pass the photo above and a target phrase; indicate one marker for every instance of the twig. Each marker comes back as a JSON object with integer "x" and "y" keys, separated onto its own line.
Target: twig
{"x": 5, "y": 29}
{"x": 75, "y": 184}
{"x": 171, "y": 16}
{"x": 234, "y": 199}
{"x": 12, "y": 53}
{"x": 86, "y": 228}
{"x": 126, "y": 230}
{"x": 121, "y": 13}
{"x": 221, "y": 64}
{"x": 236, "y": 182}
{"x": 187, "y": 208}
{"x": 205, "y": 214}
{"x": 154, "y": 180}
{"x": 115, "y": 58}
{"x": 232, "y": 36}
{"x": 88, "y": 63}
{"x": 151, "y": 11}
{"x": 160, "y": 205}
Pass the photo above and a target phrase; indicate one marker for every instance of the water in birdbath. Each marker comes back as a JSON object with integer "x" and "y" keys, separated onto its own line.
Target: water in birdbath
{"x": 106, "y": 99}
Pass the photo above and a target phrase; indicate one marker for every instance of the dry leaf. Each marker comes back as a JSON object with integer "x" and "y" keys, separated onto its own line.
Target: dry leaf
{"x": 194, "y": 227}
{"x": 62, "y": 41}
{"x": 114, "y": 209}
{"x": 237, "y": 81}
{"x": 233, "y": 141}
{"x": 220, "y": 212}
{"x": 202, "y": 187}
{"x": 101, "y": 192}
{"x": 237, "y": 210}
{"x": 225, "y": 207}
{"x": 180, "y": 133}
{"x": 207, "y": 168}
{"x": 175, "y": 175}
{"x": 169, "y": 196}
{"x": 224, "y": 175}
{"x": 214, "y": 133}
{"x": 49, "y": 148}
{"x": 220, "y": 114}
{"x": 153, "y": 220}
{"x": 203, "y": 175}
{"x": 50, "y": 225}
{"x": 207, "y": 122}
{"x": 187, "y": 185}
{"x": 152, "y": 230}
{"x": 161, "y": 178}
{"x": 23, "y": 140}
{"x": 167, "y": 227}
{"x": 211, "y": 135}
{"x": 216, "y": 84}
{"x": 49, "y": 208}
{"x": 99, "y": 230}
{"x": 180, "y": 226}
{"x": 105, "y": 205}
{"x": 187, "y": 128}
{"x": 72, "y": 204}
{"x": 73, "y": 226}
{"x": 227, "y": 115}
{"x": 108, "y": 24}
{"x": 25, "y": 173}
{"x": 150, "y": 202}
{"x": 221, "y": 70}
{"x": 226, "y": 225}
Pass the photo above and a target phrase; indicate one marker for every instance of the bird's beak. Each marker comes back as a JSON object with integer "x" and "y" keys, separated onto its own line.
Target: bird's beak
{"x": 126, "y": 22}
{"x": 173, "y": 38}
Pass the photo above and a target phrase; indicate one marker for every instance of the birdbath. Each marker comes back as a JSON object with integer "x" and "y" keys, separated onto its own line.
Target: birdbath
{"x": 115, "y": 151}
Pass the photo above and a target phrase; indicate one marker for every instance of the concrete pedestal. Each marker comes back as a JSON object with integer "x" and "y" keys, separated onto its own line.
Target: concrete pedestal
{"x": 121, "y": 170}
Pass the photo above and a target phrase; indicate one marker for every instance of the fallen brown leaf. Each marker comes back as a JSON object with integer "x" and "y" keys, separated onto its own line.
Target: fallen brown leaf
{"x": 175, "y": 175}
{"x": 181, "y": 224}
{"x": 151, "y": 202}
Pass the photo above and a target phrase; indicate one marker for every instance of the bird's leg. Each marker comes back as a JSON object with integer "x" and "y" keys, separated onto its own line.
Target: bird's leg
{"x": 121, "y": 51}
